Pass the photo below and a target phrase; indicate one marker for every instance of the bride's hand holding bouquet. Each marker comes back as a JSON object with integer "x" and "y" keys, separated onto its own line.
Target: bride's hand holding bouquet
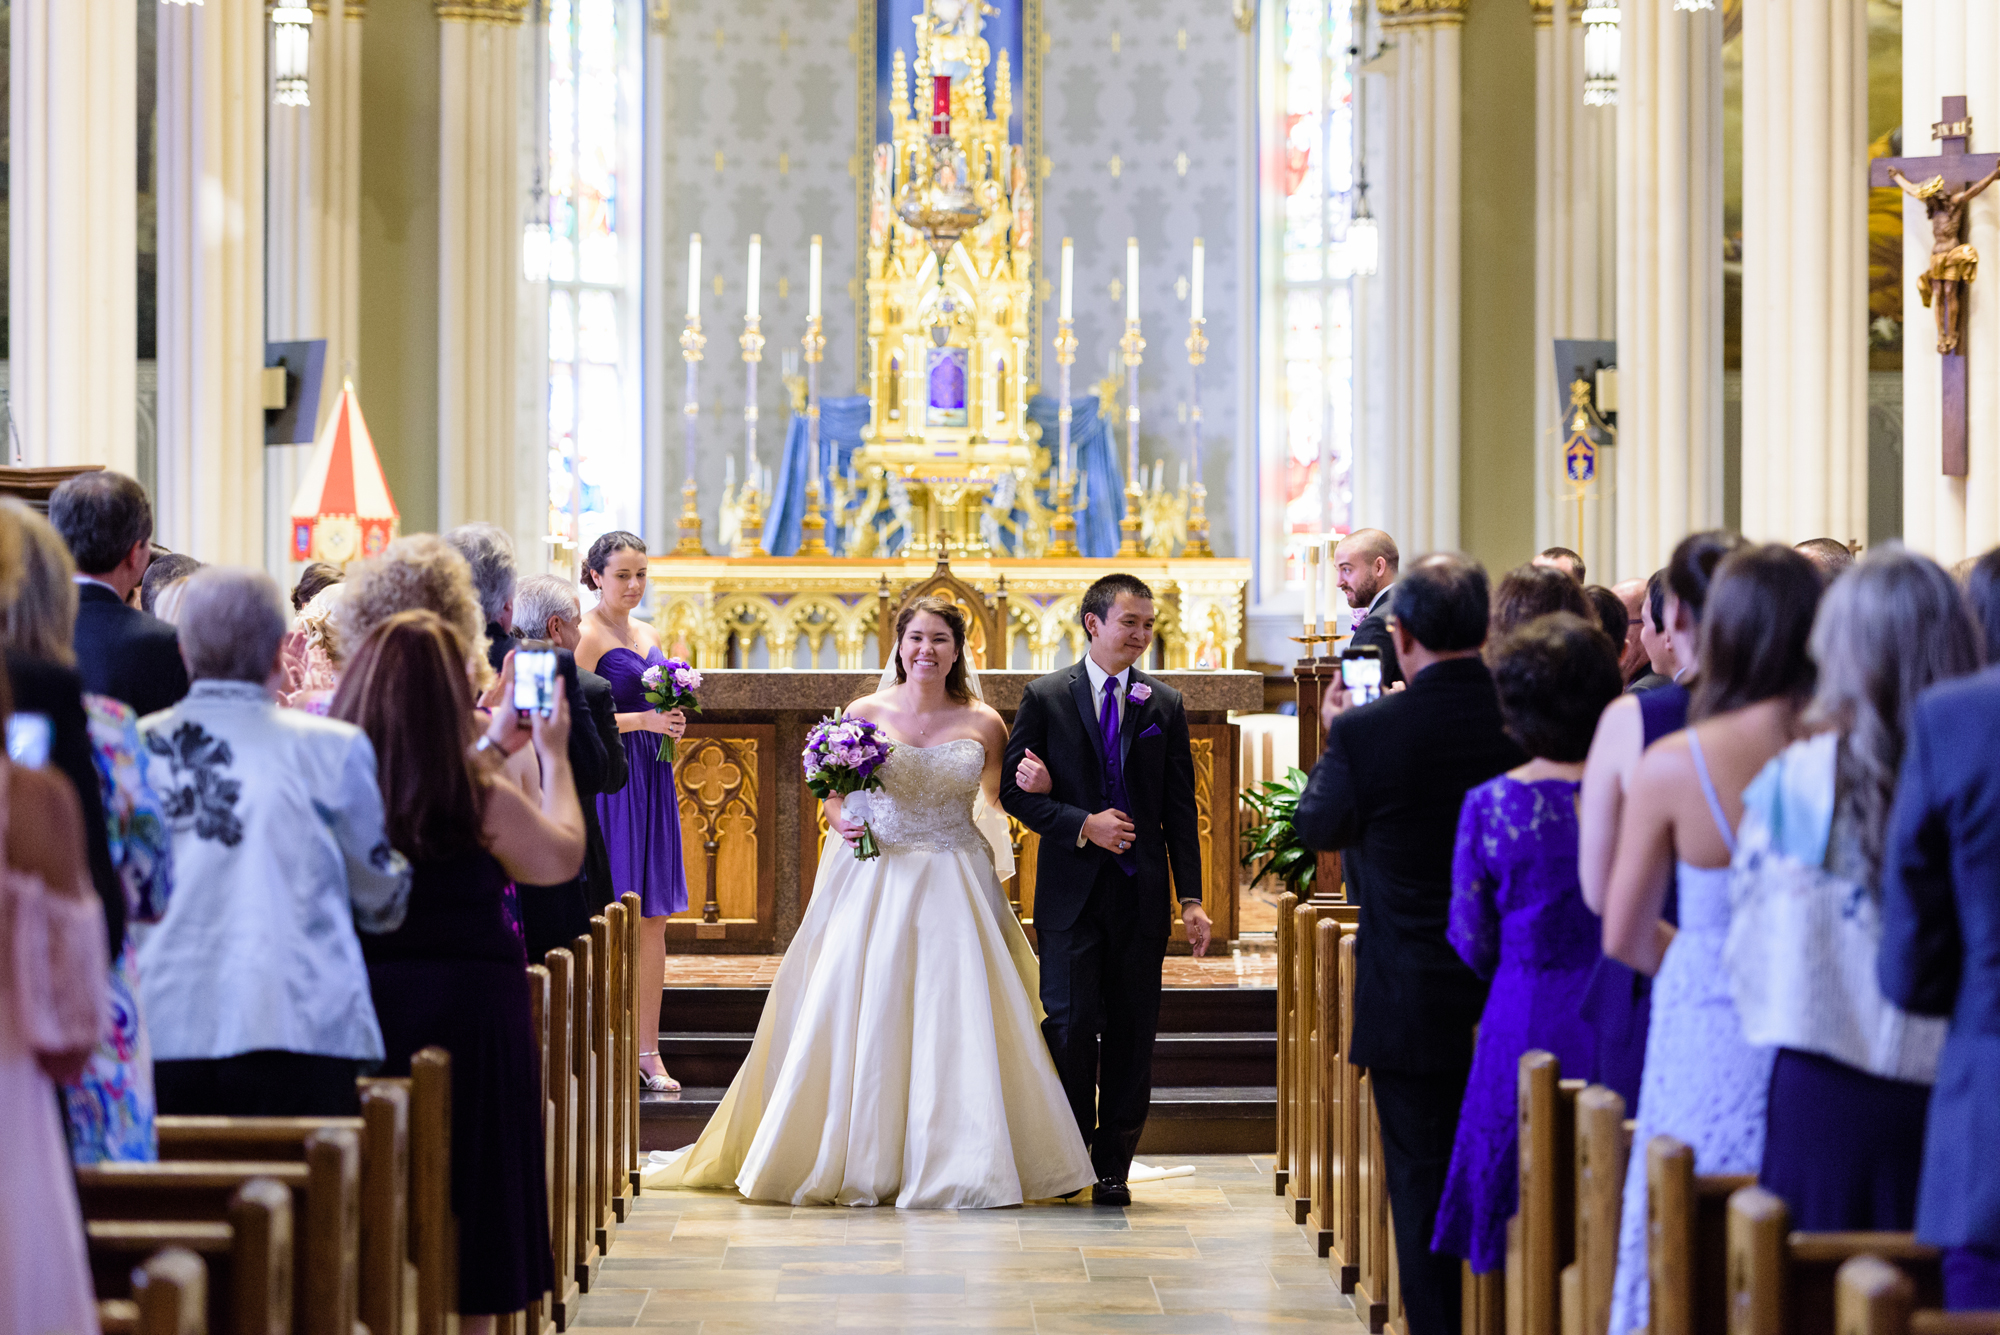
{"x": 842, "y": 756}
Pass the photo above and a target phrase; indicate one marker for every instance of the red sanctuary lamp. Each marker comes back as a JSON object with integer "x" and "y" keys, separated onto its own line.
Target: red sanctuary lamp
{"x": 940, "y": 104}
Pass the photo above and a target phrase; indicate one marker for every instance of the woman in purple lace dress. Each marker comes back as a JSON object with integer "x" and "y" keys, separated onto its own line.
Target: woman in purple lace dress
{"x": 642, "y": 820}
{"x": 1517, "y": 913}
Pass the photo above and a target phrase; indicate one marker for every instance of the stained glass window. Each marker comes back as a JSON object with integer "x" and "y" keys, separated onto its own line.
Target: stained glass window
{"x": 594, "y": 456}
{"x": 1308, "y": 443}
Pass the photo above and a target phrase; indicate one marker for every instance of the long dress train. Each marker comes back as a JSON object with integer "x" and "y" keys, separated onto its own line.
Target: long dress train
{"x": 900, "y": 1058}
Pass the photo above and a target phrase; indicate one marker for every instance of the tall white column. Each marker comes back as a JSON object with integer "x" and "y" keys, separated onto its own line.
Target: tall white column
{"x": 72, "y": 303}
{"x": 212, "y": 94}
{"x": 1575, "y": 267}
{"x": 659, "y": 339}
{"x": 1669, "y": 455}
{"x": 1420, "y": 266}
{"x": 480, "y": 215}
{"x": 1951, "y": 48}
{"x": 1805, "y": 269}
{"x": 313, "y": 272}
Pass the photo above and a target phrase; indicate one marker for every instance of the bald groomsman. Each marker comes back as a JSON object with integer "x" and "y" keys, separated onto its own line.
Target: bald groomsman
{"x": 1365, "y": 565}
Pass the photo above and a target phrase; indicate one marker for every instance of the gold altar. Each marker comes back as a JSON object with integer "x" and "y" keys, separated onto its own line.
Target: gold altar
{"x": 784, "y": 612}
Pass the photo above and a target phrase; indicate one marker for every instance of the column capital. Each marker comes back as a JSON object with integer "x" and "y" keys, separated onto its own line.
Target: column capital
{"x": 1543, "y": 12}
{"x": 1402, "y": 13}
{"x": 512, "y": 13}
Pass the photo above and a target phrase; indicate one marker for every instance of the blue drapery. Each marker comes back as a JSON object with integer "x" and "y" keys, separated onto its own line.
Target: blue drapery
{"x": 1096, "y": 465}
{"x": 842, "y": 420}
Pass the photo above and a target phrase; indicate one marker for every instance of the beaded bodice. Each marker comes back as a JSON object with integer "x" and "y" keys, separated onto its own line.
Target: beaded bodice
{"x": 925, "y": 803}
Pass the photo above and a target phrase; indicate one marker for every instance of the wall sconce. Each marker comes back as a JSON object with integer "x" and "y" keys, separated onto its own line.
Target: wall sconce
{"x": 291, "y": 40}
{"x": 1600, "y": 55}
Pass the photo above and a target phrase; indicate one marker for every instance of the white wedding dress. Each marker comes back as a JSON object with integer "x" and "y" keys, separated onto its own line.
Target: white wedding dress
{"x": 900, "y": 1057}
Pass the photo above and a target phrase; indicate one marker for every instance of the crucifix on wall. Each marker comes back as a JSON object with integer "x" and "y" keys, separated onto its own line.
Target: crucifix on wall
{"x": 1947, "y": 185}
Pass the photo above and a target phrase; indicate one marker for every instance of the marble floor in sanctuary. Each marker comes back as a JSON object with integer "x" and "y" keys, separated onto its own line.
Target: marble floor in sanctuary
{"x": 1211, "y": 1253}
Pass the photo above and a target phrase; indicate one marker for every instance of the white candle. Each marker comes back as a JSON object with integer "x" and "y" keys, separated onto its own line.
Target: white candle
{"x": 1068, "y": 272}
{"x": 812, "y": 295}
{"x": 1194, "y": 291}
{"x": 756, "y": 255}
{"x": 1131, "y": 279}
{"x": 1332, "y": 589}
{"x": 1312, "y": 590}
{"x": 1184, "y": 475}
{"x": 694, "y": 276}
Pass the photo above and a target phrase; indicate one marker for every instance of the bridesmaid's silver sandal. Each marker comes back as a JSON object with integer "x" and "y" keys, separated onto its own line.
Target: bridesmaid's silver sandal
{"x": 656, "y": 1084}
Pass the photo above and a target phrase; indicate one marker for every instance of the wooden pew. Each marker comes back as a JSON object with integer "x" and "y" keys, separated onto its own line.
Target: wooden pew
{"x": 1546, "y": 1112}
{"x": 1873, "y": 1297}
{"x": 539, "y": 1316}
{"x": 603, "y": 999}
{"x": 384, "y": 1199}
{"x": 618, "y": 992}
{"x": 563, "y": 1086}
{"x": 1327, "y": 1056}
{"x": 1602, "y": 1147}
{"x": 169, "y": 1297}
{"x": 247, "y": 1255}
{"x": 583, "y": 1065}
{"x": 631, "y": 1159}
{"x": 1687, "y": 1243}
{"x": 1349, "y": 1136}
{"x": 325, "y": 1203}
{"x": 433, "y": 1225}
{"x": 1782, "y": 1281}
{"x": 1287, "y": 1031}
{"x": 1376, "y": 1251}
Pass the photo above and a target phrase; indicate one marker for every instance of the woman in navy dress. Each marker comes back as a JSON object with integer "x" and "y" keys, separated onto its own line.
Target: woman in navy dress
{"x": 642, "y": 821}
{"x": 1518, "y": 916}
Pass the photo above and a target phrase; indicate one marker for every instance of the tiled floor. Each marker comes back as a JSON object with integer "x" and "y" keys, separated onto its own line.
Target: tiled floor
{"x": 1215, "y": 1252}
{"x": 1247, "y": 963}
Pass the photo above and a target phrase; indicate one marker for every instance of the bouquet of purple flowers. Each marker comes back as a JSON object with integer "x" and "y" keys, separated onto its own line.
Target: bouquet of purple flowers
{"x": 671, "y": 685}
{"x": 842, "y": 756}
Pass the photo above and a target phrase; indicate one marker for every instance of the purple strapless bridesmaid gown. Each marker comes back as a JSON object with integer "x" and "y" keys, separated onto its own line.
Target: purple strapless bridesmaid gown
{"x": 642, "y": 820}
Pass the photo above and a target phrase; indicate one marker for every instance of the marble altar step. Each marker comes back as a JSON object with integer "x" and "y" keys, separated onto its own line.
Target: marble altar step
{"x": 1214, "y": 1066}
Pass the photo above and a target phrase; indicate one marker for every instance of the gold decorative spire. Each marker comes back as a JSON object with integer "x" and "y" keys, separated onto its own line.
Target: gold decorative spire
{"x": 899, "y": 89}
{"x": 1003, "y": 90}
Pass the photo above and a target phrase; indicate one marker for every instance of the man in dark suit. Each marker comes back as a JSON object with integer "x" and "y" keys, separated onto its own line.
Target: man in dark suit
{"x": 1115, "y": 808}
{"x": 1387, "y": 791}
{"x": 107, "y": 523}
{"x": 555, "y": 915}
{"x": 1365, "y": 565}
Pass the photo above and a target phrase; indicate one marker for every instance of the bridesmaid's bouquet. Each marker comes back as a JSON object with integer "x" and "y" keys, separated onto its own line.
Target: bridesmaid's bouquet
{"x": 842, "y": 756}
{"x": 671, "y": 685}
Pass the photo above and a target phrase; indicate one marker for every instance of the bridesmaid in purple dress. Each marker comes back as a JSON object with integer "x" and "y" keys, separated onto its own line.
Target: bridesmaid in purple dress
{"x": 642, "y": 821}
{"x": 1518, "y": 916}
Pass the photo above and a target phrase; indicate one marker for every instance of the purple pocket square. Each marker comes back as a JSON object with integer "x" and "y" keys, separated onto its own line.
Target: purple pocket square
{"x": 1152, "y": 731}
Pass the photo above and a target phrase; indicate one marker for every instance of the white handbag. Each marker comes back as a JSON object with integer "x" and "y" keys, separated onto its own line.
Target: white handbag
{"x": 1803, "y": 942}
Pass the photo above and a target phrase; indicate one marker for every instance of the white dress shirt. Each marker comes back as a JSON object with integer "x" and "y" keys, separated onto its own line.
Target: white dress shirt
{"x": 280, "y": 854}
{"x": 1098, "y": 676}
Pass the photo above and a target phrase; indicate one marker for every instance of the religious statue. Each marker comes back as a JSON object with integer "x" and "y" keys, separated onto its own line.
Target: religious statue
{"x": 959, "y": 18}
{"x": 1953, "y": 260}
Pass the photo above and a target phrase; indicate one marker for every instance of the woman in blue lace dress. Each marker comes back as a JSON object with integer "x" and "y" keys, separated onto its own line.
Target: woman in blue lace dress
{"x": 1704, "y": 1083}
{"x": 1518, "y": 916}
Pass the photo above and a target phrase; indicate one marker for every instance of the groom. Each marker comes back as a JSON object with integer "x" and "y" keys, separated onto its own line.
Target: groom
{"x": 1114, "y": 805}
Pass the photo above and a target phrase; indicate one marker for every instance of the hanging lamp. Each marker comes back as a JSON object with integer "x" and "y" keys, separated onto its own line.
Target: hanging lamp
{"x": 291, "y": 42}
{"x": 1600, "y": 55}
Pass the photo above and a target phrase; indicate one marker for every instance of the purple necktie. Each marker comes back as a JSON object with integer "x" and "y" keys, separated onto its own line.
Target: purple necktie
{"x": 1114, "y": 768}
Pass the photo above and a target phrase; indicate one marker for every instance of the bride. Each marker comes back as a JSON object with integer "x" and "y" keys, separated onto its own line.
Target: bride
{"x": 900, "y": 1058}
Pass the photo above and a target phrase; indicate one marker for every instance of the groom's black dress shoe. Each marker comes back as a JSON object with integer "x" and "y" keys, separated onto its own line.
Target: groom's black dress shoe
{"x": 1110, "y": 1191}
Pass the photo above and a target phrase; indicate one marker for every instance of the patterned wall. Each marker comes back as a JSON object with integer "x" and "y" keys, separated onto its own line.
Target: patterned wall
{"x": 760, "y": 113}
{"x": 1143, "y": 100}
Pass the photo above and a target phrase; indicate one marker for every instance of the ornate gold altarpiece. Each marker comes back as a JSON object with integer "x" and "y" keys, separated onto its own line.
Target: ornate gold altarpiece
{"x": 750, "y": 831}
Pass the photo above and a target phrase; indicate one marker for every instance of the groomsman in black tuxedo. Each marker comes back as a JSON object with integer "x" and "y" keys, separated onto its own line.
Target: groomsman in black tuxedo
{"x": 107, "y": 523}
{"x": 1100, "y": 767}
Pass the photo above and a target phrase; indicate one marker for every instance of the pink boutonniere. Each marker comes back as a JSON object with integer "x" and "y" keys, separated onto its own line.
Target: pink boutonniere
{"x": 1140, "y": 693}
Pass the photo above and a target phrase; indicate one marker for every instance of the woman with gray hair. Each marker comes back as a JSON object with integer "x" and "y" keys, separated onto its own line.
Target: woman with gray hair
{"x": 258, "y": 1002}
{"x": 1850, "y": 1086}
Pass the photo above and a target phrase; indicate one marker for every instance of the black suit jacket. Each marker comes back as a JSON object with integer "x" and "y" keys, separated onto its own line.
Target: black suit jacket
{"x": 1057, "y": 720}
{"x": 1373, "y": 628}
{"x": 1387, "y": 791}
{"x": 127, "y": 654}
{"x": 56, "y": 693}
{"x": 587, "y": 758}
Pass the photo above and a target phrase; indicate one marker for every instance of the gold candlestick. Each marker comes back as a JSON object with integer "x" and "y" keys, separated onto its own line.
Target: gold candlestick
{"x": 1133, "y": 346}
{"x": 1197, "y": 524}
{"x": 750, "y": 536}
{"x": 812, "y": 525}
{"x": 1063, "y": 531}
{"x": 692, "y": 343}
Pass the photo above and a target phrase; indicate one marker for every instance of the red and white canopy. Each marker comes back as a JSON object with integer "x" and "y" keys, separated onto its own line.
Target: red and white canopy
{"x": 343, "y": 509}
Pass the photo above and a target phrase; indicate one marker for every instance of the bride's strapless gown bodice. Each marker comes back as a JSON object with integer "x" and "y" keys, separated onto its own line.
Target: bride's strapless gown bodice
{"x": 900, "y": 1059}
{"x": 925, "y": 802}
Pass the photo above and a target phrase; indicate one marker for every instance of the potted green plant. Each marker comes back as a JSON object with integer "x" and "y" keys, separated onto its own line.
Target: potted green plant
{"x": 1274, "y": 848}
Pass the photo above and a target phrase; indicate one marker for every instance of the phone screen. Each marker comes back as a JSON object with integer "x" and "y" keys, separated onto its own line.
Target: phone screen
{"x": 535, "y": 681}
{"x": 1361, "y": 675}
{"x": 28, "y": 739}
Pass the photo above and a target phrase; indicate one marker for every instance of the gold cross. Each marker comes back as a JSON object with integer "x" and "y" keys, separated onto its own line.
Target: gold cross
{"x": 784, "y": 164}
{"x": 1117, "y": 165}
{"x": 719, "y": 35}
{"x": 1114, "y": 41}
{"x": 784, "y": 39}
{"x": 1117, "y": 290}
{"x": 718, "y": 160}
{"x": 1181, "y": 163}
{"x": 1180, "y": 39}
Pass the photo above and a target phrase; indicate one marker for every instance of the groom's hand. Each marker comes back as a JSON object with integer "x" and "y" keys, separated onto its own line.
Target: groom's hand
{"x": 1110, "y": 830}
{"x": 1032, "y": 776}
{"x": 1199, "y": 929}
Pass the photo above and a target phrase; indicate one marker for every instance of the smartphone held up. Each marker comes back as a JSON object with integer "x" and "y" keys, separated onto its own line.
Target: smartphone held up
{"x": 535, "y": 682}
{"x": 1361, "y": 673}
